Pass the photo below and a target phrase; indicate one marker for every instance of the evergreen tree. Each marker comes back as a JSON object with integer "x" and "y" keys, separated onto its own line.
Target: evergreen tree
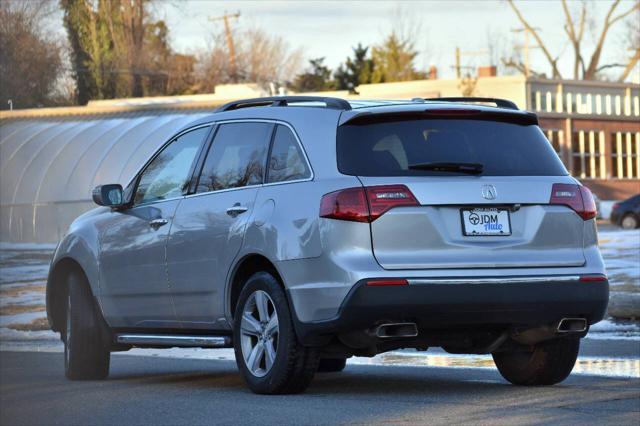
{"x": 316, "y": 79}
{"x": 356, "y": 71}
{"x": 77, "y": 21}
{"x": 394, "y": 61}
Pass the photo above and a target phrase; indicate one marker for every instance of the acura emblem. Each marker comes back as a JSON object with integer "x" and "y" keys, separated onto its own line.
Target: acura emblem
{"x": 489, "y": 192}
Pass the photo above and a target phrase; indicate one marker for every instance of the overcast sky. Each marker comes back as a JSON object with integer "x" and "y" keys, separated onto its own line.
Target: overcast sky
{"x": 330, "y": 28}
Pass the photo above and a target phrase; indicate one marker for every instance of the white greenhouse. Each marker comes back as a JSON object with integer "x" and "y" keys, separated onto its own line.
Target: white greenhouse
{"x": 50, "y": 163}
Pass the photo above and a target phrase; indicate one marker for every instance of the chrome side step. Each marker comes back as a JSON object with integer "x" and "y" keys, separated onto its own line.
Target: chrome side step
{"x": 174, "y": 340}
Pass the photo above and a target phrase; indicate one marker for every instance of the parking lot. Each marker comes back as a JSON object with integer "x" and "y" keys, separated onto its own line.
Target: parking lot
{"x": 195, "y": 386}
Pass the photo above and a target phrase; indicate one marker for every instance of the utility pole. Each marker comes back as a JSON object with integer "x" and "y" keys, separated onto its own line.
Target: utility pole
{"x": 229, "y": 36}
{"x": 458, "y": 66}
{"x": 526, "y": 47}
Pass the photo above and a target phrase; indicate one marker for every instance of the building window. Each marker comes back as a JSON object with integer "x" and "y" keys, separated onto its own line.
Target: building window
{"x": 587, "y": 153}
{"x": 625, "y": 153}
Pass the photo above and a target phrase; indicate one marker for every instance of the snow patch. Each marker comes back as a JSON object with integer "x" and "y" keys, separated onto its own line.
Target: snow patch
{"x": 27, "y": 246}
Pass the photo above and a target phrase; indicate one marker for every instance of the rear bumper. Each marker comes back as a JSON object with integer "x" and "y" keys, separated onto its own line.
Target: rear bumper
{"x": 515, "y": 301}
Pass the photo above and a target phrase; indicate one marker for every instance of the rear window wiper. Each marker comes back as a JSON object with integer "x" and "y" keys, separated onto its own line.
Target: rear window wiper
{"x": 470, "y": 168}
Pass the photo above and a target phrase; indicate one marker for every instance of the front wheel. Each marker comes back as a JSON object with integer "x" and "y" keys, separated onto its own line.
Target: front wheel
{"x": 268, "y": 354}
{"x": 85, "y": 355}
{"x": 547, "y": 363}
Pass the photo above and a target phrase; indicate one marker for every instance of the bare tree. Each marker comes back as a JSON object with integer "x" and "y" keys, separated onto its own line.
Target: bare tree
{"x": 212, "y": 66}
{"x": 633, "y": 43}
{"x": 260, "y": 58}
{"x": 498, "y": 47}
{"x": 575, "y": 31}
{"x": 31, "y": 59}
{"x": 586, "y": 67}
{"x": 265, "y": 58}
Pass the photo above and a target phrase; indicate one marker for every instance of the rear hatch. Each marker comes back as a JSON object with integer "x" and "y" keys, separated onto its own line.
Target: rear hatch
{"x": 483, "y": 185}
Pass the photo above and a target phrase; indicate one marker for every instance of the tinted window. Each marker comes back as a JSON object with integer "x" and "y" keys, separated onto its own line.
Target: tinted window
{"x": 168, "y": 174}
{"x": 287, "y": 160}
{"x": 237, "y": 157}
{"x": 388, "y": 148}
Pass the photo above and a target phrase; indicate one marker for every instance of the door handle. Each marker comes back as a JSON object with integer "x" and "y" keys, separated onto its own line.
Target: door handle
{"x": 236, "y": 210}
{"x": 157, "y": 223}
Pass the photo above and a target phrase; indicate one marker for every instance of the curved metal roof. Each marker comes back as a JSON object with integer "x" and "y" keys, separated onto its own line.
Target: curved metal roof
{"x": 48, "y": 166}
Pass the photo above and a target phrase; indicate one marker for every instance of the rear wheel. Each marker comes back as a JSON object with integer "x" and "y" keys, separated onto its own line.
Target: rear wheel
{"x": 629, "y": 222}
{"x": 268, "y": 354}
{"x": 549, "y": 362}
{"x": 85, "y": 355}
{"x": 332, "y": 365}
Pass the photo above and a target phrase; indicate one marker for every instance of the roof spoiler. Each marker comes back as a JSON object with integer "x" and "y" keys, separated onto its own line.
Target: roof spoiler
{"x": 485, "y": 114}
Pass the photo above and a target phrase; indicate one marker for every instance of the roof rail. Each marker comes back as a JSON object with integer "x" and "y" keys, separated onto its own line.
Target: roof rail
{"x": 500, "y": 103}
{"x": 280, "y": 101}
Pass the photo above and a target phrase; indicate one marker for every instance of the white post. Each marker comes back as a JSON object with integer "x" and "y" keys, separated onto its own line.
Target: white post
{"x": 603, "y": 163}
{"x": 592, "y": 154}
{"x": 619, "y": 154}
{"x": 582, "y": 162}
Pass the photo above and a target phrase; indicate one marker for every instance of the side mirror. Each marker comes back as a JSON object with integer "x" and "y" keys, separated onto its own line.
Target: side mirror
{"x": 108, "y": 195}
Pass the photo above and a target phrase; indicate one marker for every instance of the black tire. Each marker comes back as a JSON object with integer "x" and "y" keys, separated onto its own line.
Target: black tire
{"x": 549, "y": 363}
{"x": 294, "y": 365}
{"x": 332, "y": 365}
{"x": 629, "y": 221}
{"x": 86, "y": 357}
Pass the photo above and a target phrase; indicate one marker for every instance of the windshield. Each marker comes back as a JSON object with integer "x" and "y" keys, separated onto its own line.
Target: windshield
{"x": 399, "y": 148}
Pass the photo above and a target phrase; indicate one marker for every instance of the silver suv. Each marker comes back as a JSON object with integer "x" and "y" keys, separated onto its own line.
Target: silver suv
{"x": 302, "y": 231}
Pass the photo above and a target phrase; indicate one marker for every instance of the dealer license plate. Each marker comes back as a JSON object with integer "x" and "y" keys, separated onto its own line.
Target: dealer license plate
{"x": 485, "y": 221}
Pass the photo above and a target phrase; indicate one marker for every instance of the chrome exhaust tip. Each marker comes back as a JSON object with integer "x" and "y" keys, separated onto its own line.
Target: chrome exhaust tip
{"x": 572, "y": 325}
{"x": 397, "y": 329}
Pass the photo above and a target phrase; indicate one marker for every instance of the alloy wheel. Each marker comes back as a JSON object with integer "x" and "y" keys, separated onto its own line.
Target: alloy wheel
{"x": 629, "y": 222}
{"x": 259, "y": 333}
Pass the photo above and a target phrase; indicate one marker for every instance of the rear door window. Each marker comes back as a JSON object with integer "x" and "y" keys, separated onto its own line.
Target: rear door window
{"x": 390, "y": 148}
{"x": 237, "y": 157}
{"x": 286, "y": 162}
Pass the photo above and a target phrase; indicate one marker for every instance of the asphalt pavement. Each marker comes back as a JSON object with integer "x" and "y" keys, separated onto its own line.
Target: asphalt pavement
{"x": 155, "y": 390}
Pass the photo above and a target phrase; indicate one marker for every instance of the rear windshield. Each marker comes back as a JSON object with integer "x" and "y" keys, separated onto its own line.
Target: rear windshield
{"x": 390, "y": 148}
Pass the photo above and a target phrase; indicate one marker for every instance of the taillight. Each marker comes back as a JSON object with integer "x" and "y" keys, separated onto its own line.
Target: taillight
{"x": 577, "y": 197}
{"x": 386, "y": 197}
{"x": 365, "y": 204}
{"x": 347, "y": 204}
{"x": 615, "y": 206}
{"x": 453, "y": 111}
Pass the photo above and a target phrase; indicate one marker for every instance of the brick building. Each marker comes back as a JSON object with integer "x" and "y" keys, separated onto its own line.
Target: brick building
{"x": 595, "y": 129}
